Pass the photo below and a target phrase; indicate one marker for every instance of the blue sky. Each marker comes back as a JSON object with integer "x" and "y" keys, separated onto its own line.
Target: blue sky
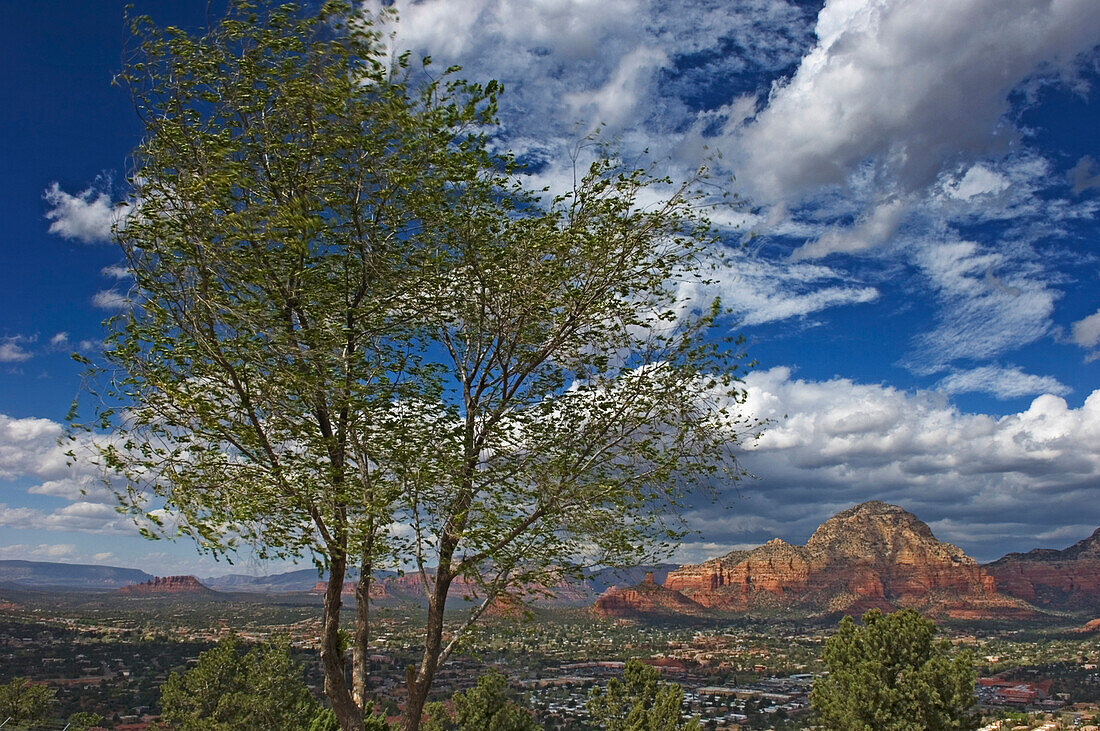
{"x": 916, "y": 270}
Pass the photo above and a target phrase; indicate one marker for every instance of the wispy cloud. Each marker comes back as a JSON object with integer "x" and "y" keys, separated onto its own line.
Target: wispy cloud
{"x": 110, "y": 299}
{"x": 1004, "y": 383}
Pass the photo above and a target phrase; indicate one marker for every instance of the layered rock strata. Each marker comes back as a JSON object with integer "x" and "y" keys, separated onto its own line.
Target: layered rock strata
{"x": 1050, "y": 579}
{"x": 167, "y": 585}
{"x": 871, "y": 555}
{"x": 647, "y": 600}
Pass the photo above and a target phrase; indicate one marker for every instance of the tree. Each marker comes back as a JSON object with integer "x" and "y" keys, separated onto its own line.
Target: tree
{"x": 228, "y": 690}
{"x": 24, "y": 702}
{"x": 891, "y": 674}
{"x": 275, "y": 193}
{"x": 486, "y": 707}
{"x": 639, "y": 702}
{"x": 325, "y": 720}
{"x": 349, "y": 309}
{"x": 84, "y": 720}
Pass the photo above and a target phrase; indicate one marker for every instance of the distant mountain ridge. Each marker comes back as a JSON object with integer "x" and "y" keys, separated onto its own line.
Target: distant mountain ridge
{"x": 72, "y": 576}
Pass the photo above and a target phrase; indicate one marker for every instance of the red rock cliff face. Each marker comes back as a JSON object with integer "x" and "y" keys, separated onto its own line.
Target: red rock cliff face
{"x": 647, "y": 600}
{"x": 871, "y": 555}
{"x": 1066, "y": 580}
{"x": 162, "y": 585}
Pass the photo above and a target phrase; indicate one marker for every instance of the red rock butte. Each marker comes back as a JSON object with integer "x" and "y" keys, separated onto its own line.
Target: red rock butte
{"x": 871, "y": 555}
{"x": 165, "y": 585}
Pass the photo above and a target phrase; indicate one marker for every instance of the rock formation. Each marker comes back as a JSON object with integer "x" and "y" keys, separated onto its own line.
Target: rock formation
{"x": 871, "y": 555}
{"x": 647, "y": 600}
{"x": 1050, "y": 579}
{"x": 187, "y": 586}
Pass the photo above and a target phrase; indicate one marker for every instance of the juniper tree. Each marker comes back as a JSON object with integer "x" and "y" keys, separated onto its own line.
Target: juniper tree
{"x": 892, "y": 674}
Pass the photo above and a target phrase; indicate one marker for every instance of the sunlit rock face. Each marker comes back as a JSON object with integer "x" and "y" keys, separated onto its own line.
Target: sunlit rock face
{"x": 1050, "y": 579}
{"x": 166, "y": 585}
{"x": 871, "y": 555}
{"x": 647, "y": 600}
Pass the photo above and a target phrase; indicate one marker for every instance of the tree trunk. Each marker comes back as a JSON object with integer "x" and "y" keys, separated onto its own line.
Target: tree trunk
{"x": 360, "y": 661}
{"x": 420, "y": 681}
{"x": 347, "y": 712}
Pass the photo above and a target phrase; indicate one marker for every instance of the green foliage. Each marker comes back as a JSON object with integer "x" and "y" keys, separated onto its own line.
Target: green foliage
{"x": 325, "y": 720}
{"x": 25, "y": 702}
{"x": 639, "y": 702}
{"x": 83, "y": 720}
{"x": 486, "y": 707}
{"x": 891, "y": 674}
{"x": 348, "y": 308}
{"x": 229, "y": 690}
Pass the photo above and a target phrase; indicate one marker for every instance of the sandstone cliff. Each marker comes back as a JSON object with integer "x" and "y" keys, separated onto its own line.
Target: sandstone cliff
{"x": 647, "y": 600}
{"x": 871, "y": 555}
{"x": 183, "y": 586}
{"x": 1064, "y": 580}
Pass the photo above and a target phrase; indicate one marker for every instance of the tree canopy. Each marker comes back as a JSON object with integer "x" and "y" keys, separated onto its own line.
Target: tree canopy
{"x": 229, "y": 689}
{"x": 639, "y": 702}
{"x": 486, "y": 707}
{"x": 24, "y": 702}
{"x": 355, "y": 334}
{"x": 892, "y": 674}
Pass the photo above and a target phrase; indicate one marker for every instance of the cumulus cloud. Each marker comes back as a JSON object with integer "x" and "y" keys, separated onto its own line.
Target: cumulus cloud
{"x": 12, "y": 349}
{"x": 60, "y": 552}
{"x": 991, "y": 484}
{"x": 1086, "y": 332}
{"x": 87, "y": 217}
{"x": 1004, "y": 383}
{"x": 79, "y": 517}
{"x": 60, "y": 340}
{"x": 873, "y": 88}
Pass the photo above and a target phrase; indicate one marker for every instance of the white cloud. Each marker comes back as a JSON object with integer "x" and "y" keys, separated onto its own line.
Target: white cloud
{"x": 1086, "y": 332}
{"x": 79, "y": 487}
{"x": 872, "y": 230}
{"x": 978, "y": 180}
{"x": 56, "y": 552}
{"x": 29, "y": 446}
{"x": 615, "y": 103}
{"x": 760, "y": 291}
{"x": 910, "y": 86}
{"x": 1004, "y": 383}
{"x": 60, "y": 552}
{"x": 115, "y": 272}
{"x": 991, "y": 302}
{"x": 87, "y": 217}
{"x": 110, "y": 299}
{"x": 79, "y": 517}
{"x": 60, "y": 340}
{"x": 12, "y": 350}
{"x": 19, "y": 517}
